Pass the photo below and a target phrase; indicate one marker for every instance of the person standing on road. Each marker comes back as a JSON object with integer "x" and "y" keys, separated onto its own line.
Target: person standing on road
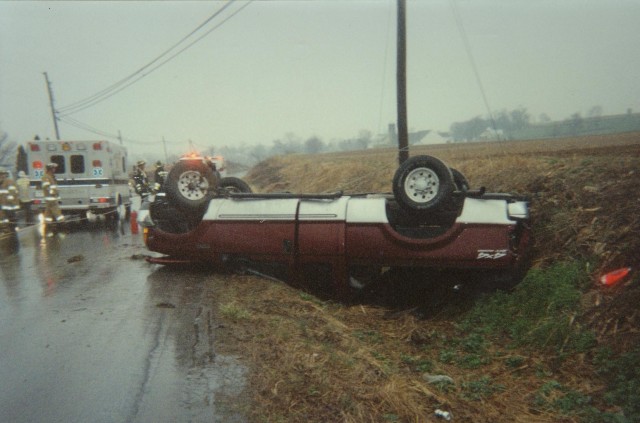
{"x": 158, "y": 176}
{"x": 23, "y": 194}
{"x": 140, "y": 180}
{"x": 8, "y": 197}
{"x": 50, "y": 191}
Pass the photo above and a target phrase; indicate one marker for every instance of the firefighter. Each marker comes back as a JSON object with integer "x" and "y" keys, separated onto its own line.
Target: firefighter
{"x": 50, "y": 190}
{"x": 140, "y": 180}
{"x": 9, "y": 203}
{"x": 159, "y": 176}
{"x": 23, "y": 183}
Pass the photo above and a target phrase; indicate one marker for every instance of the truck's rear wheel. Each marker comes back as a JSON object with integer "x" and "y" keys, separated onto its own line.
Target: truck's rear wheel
{"x": 422, "y": 183}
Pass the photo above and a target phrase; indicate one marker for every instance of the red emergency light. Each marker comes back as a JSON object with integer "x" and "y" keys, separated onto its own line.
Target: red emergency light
{"x": 37, "y": 164}
{"x": 97, "y": 146}
{"x": 34, "y": 147}
{"x": 97, "y": 163}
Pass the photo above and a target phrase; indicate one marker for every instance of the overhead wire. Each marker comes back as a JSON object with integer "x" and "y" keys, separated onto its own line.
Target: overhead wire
{"x": 384, "y": 66}
{"x": 81, "y": 125}
{"x": 138, "y": 74}
{"x": 86, "y": 127}
{"x": 77, "y": 106}
{"x": 467, "y": 46}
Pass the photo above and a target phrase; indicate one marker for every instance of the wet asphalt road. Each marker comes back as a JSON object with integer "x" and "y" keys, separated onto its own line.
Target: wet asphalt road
{"x": 89, "y": 333}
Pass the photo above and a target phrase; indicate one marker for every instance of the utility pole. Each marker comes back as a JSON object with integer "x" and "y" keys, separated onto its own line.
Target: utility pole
{"x": 164, "y": 144}
{"x": 401, "y": 81}
{"x": 53, "y": 110}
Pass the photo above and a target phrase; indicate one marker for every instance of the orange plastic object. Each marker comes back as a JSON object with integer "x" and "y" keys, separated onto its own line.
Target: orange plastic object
{"x": 614, "y": 277}
{"x": 133, "y": 219}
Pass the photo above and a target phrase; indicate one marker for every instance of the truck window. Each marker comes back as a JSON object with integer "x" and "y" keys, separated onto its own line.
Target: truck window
{"x": 77, "y": 164}
{"x": 59, "y": 160}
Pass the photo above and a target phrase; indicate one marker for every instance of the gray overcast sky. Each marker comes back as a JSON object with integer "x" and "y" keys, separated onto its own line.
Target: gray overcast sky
{"x": 324, "y": 68}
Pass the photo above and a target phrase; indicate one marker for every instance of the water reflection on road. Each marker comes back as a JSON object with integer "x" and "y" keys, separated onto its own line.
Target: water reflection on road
{"x": 89, "y": 332}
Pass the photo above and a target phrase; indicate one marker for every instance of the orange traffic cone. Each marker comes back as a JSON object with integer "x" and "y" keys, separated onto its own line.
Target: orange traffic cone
{"x": 133, "y": 220}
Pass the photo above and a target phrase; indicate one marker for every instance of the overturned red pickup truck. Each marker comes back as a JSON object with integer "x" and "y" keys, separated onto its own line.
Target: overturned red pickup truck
{"x": 431, "y": 220}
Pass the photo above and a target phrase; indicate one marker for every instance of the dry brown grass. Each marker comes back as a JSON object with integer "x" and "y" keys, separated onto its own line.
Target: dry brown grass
{"x": 320, "y": 361}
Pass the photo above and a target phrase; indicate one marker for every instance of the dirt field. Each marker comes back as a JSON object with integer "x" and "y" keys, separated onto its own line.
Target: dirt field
{"x": 315, "y": 360}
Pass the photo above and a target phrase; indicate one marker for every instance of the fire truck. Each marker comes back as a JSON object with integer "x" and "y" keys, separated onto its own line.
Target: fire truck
{"x": 92, "y": 176}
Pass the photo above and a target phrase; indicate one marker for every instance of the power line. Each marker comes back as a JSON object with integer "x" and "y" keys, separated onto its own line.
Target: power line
{"x": 77, "y": 106}
{"x": 138, "y": 75}
{"x": 467, "y": 46}
{"x": 86, "y": 127}
{"x": 384, "y": 67}
{"x": 81, "y": 125}
{"x": 104, "y": 94}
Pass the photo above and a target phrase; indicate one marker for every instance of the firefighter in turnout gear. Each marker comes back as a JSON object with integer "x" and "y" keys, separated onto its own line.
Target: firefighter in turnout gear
{"x": 23, "y": 183}
{"x": 159, "y": 176}
{"x": 50, "y": 190}
{"x": 9, "y": 202}
{"x": 140, "y": 180}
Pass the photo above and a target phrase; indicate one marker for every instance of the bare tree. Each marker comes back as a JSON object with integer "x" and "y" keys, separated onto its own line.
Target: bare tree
{"x": 7, "y": 151}
{"x": 544, "y": 118}
{"x": 576, "y": 123}
{"x": 364, "y": 139}
{"x": 595, "y": 111}
{"x": 313, "y": 145}
{"x": 258, "y": 152}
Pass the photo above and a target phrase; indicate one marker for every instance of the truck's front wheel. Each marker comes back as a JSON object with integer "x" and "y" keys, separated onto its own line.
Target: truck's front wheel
{"x": 190, "y": 184}
{"x": 232, "y": 184}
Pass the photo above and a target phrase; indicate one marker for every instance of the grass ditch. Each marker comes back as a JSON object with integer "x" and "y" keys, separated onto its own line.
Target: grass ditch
{"x": 556, "y": 349}
{"x": 320, "y": 361}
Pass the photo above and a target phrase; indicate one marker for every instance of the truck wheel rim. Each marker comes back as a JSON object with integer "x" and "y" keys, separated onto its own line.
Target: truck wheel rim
{"x": 192, "y": 186}
{"x": 421, "y": 185}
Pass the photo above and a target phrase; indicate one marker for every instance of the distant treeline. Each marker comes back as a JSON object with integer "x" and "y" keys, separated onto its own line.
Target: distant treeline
{"x": 506, "y": 125}
{"x": 517, "y": 125}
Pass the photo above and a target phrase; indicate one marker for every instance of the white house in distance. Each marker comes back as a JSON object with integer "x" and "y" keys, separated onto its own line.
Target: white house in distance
{"x": 491, "y": 134}
{"x": 424, "y": 137}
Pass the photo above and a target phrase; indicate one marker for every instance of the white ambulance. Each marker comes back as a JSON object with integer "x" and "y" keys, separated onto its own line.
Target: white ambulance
{"x": 92, "y": 176}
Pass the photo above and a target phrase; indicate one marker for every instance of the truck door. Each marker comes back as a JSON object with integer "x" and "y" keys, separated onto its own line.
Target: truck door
{"x": 320, "y": 258}
{"x": 261, "y": 230}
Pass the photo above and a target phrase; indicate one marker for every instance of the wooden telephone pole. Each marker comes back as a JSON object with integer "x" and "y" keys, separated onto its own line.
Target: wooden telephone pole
{"x": 53, "y": 110}
{"x": 401, "y": 80}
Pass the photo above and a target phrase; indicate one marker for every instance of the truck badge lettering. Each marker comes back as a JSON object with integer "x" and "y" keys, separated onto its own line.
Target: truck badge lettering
{"x": 491, "y": 254}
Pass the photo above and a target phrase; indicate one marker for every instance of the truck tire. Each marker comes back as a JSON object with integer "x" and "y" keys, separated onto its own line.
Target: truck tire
{"x": 460, "y": 180}
{"x": 422, "y": 183}
{"x": 190, "y": 185}
{"x": 231, "y": 184}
